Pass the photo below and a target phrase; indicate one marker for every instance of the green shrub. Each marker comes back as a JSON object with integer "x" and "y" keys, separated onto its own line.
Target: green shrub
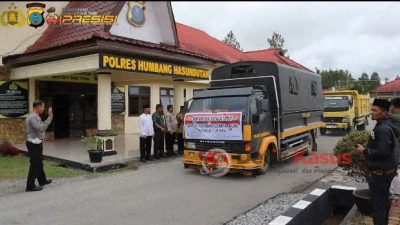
{"x": 357, "y": 168}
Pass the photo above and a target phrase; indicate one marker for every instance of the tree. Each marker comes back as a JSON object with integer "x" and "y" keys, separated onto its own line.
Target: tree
{"x": 375, "y": 81}
{"x": 230, "y": 40}
{"x": 277, "y": 42}
{"x": 336, "y": 78}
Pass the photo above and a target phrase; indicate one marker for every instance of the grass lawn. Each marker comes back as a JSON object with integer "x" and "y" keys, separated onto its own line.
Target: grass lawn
{"x": 17, "y": 168}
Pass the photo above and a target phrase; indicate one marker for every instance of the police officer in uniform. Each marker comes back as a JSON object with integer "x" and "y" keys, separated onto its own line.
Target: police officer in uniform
{"x": 159, "y": 131}
{"x": 382, "y": 154}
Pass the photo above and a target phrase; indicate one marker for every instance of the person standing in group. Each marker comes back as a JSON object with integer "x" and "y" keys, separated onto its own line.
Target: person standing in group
{"x": 382, "y": 155}
{"x": 35, "y": 134}
{"x": 159, "y": 130}
{"x": 146, "y": 134}
{"x": 395, "y": 119}
{"x": 180, "y": 117}
{"x": 170, "y": 134}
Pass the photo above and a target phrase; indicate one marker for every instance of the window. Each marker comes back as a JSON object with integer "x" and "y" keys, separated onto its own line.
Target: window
{"x": 166, "y": 97}
{"x": 293, "y": 86}
{"x": 138, "y": 97}
{"x": 314, "y": 88}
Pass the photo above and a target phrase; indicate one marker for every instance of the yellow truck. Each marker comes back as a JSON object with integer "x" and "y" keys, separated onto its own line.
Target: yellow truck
{"x": 345, "y": 111}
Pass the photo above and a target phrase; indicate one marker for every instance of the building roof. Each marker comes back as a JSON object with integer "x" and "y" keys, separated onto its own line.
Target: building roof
{"x": 192, "y": 41}
{"x": 390, "y": 87}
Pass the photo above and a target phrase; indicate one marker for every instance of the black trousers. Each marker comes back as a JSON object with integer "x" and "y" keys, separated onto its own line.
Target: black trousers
{"x": 379, "y": 186}
{"x": 145, "y": 147}
{"x": 169, "y": 141}
{"x": 180, "y": 142}
{"x": 158, "y": 143}
{"x": 35, "y": 153}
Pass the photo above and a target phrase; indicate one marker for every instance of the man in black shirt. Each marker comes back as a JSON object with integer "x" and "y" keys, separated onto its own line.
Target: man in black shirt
{"x": 382, "y": 154}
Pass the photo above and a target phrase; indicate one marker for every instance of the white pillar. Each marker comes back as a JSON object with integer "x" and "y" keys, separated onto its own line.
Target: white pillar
{"x": 103, "y": 101}
{"x": 31, "y": 95}
{"x": 179, "y": 100}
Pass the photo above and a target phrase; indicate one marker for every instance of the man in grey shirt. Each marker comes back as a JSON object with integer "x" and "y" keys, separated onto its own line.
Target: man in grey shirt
{"x": 36, "y": 130}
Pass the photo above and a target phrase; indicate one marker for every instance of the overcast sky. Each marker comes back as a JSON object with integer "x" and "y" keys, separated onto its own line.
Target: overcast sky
{"x": 357, "y": 36}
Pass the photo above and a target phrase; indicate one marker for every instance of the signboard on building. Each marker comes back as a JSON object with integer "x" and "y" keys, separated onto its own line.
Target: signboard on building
{"x": 13, "y": 99}
{"x": 213, "y": 126}
{"x": 88, "y": 78}
{"x": 145, "y": 66}
{"x": 117, "y": 99}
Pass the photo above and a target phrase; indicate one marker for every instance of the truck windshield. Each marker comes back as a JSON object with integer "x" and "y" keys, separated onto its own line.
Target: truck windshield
{"x": 334, "y": 104}
{"x": 220, "y": 104}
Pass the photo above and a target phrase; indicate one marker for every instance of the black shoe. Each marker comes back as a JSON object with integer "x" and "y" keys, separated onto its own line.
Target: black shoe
{"x": 143, "y": 160}
{"x": 180, "y": 153}
{"x": 48, "y": 181}
{"x": 156, "y": 157}
{"x": 34, "y": 189}
{"x": 173, "y": 154}
{"x": 150, "y": 159}
{"x": 163, "y": 156}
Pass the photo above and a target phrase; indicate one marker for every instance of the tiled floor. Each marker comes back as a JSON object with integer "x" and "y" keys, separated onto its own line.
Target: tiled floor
{"x": 127, "y": 147}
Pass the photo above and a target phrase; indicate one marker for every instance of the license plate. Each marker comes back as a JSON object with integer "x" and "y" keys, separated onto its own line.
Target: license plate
{"x": 330, "y": 126}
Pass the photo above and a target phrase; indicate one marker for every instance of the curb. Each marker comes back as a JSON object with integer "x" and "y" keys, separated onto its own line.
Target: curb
{"x": 317, "y": 206}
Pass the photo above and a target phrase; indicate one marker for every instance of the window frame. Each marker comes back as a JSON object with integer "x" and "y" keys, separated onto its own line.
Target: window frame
{"x": 141, "y": 98}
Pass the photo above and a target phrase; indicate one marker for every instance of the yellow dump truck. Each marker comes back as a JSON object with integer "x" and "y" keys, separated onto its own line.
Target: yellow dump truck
{"x": 345, "y": 111}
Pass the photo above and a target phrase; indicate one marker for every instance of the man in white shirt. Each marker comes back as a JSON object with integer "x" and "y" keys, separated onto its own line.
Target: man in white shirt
{"x": 146, "y": 134}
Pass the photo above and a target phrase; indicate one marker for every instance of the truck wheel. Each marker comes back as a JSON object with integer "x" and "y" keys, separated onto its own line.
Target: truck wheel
{"x": 322, "y": 131}
{"x": 361, "y": 127}
{"x": 311, "y": 145}
{"x": 350, "y": 129}
{"x": 267, "y": 163}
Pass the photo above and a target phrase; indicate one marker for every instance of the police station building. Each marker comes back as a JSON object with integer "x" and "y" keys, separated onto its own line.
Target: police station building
{"x": 97, "y": 77}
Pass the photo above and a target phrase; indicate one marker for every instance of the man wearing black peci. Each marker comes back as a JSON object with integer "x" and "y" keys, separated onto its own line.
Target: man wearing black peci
{"x": 146, "y": 133}
{"x": 382, "y": 153}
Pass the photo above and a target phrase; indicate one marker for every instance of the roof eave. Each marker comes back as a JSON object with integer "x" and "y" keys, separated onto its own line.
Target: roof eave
{"x": 98, "y": 45}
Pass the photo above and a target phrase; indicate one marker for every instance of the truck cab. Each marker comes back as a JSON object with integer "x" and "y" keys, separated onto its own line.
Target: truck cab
{"x": 345, "y": 111}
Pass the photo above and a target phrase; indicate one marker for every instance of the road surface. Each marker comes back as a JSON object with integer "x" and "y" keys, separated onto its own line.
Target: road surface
{"x": 159, "y": 193}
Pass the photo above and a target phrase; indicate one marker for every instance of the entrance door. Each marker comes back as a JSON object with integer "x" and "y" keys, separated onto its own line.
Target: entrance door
{"x": 76, "y": 116}
{"x": 61, "y": 116}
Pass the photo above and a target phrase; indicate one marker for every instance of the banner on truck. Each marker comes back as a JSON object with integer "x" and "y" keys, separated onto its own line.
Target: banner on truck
{"x": 214, "y": 126}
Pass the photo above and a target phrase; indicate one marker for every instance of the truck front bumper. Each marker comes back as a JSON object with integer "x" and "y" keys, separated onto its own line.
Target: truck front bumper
{"x": 335, "y": 126}
{"x": 192, "y": 159}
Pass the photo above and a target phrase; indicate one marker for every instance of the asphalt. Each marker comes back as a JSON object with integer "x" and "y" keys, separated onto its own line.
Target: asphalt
{"x": 161, "y": 192}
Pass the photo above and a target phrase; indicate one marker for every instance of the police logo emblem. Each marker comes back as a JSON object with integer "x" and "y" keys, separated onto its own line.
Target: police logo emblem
{"x": 12, "y": 17}
{"x": 35, "y": 14}
{"x": 136, "y": 13}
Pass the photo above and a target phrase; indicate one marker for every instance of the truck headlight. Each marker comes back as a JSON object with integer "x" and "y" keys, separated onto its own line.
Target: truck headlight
{"x": 191, "y": 145}
{"x": 345, "y": 120}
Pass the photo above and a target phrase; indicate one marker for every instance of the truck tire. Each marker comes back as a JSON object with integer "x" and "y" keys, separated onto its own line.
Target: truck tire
{"x": 267, "y": 163}
{"x": 311, "y": 144}
{"x": 322, "y": 131}
{"x": 361, "y": 127}
{"x": 350, "y": 129}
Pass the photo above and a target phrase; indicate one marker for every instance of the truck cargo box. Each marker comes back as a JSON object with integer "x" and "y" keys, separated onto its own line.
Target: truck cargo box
{"x": 299, "y": 91}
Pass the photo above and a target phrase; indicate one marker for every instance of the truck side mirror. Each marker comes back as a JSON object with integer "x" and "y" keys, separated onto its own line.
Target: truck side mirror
{"x": 265, "y": 105}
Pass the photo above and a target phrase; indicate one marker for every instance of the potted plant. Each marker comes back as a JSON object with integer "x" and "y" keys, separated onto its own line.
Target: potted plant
{"x": 96, "y": 148}
{"x": 357, "y": 168}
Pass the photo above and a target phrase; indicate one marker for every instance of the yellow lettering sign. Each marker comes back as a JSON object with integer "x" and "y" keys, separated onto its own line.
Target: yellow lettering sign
{"x": 124, "y": 63}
